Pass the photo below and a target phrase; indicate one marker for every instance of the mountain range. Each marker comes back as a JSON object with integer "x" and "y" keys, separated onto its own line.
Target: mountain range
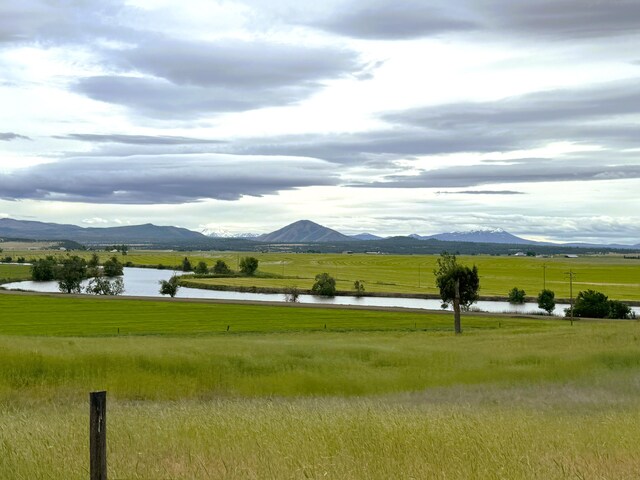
{"x": 146, "y": 233}
{"x": 300, "y": 232}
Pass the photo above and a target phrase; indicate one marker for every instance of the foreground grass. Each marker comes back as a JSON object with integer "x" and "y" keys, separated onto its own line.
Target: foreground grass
{"x": 413, "y": 274}
{"x": 278, "y": 396}
{"x": 394, "y": 437}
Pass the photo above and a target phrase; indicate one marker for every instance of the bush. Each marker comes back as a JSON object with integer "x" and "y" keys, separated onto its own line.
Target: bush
{"x": 169, "y": 287}
{"x": 112, "y": 267}
{"x": 620, "y": 310}
{"x": 201, "y": 268}
{"x": 186, "y": 265}
{"x": 325, "y": 285}
{"x": 516, "y": 295}
{"x": 592, "y": 304}
{"x": 70, "y": 274}
{"x": 221, "y": 268}
{"x": 547, "y": 301}
{"x": 44, "y": 269}
{"x": 248, "y": 265}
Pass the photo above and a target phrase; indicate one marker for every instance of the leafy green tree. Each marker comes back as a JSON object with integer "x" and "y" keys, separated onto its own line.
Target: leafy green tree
{"x": 221, "y": 268}
{"x": 94, "y": 261}
{"x": 590, "y": 304}
{"x": 70, "y": 273}
{"x": 620, "y": 310}
{"x": 325, "y": 285}
{"x": 101, "y": 285}
{"x": 112, "y": 267}
{"x": 201, "y": 268}
{"x": 186, "y": 265}
{"x": 248, "y": 265}
{"x": 547, "y": 301}
{"x": 458, "y": 285}
{"x": 44, "y": 269}
{"x": 516, "y": 295}
{"x": 358, "y": 286}
{"x": 170, "y": 287}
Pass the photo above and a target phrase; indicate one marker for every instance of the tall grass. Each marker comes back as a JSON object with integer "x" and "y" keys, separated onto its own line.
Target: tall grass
{"x": 370, "y": 397}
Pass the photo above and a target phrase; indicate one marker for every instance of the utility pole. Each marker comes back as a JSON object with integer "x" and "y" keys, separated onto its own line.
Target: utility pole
{"x": 571, "y": 274}
{"x": 544, "y": 276}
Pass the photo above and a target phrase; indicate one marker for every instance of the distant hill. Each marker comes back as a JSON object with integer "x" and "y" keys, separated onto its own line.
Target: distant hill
{"x": 496, "y": 235}
{"x": 365, "y": 236}
{"x": 147, "y": 233}
{"x": 304, "y": 231}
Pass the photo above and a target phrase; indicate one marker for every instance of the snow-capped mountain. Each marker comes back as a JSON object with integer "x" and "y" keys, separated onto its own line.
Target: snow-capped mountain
{"x": 484, "y": 235}
{"x": 222, "y": 233}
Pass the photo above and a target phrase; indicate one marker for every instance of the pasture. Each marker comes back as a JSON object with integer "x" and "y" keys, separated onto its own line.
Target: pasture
{"x": 617, "y": 277}
{"x": 375, "y": 394}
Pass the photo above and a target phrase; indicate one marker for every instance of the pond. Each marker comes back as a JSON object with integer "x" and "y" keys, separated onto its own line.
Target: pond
{"x": 144, "y": 282}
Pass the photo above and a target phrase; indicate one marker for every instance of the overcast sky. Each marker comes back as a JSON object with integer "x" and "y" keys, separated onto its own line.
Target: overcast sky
{"x": 363, "y": 115}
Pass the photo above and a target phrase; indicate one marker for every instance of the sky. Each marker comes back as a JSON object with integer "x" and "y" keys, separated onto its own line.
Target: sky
{"x": 362, "y": 115}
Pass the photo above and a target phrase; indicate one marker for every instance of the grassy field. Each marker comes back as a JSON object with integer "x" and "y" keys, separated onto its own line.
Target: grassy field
{"x": 375, "y": 395}
{"x": 613, "y": 275}
{"x": 14, "y": 273}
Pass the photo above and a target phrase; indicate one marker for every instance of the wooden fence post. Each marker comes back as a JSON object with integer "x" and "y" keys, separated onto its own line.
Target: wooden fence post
{"x": 98, "y": 435}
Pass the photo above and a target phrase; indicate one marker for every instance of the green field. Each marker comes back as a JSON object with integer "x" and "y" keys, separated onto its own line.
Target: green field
{"x": 14, "y": 273}
{"x": 413, "y": 274}
{"x": 375, "y": 394}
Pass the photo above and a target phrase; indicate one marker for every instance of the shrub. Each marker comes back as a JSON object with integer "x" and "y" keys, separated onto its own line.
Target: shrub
{"x": 112, "y": 267}
{"x": 547, "y": 301}
{"x": 325, "y": 285}
{"x": 221, "y": 268}
{"x": 248, "y": 265}
{"x": 516, "y": 295}
{"x": 201, "y": 268}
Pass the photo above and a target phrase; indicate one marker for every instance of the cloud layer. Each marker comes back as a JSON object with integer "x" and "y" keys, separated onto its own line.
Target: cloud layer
{"x": 167, "y": 179}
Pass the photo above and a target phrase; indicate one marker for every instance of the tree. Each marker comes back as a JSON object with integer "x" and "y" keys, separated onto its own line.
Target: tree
{"x": 590, "y": 304}
{"x": 44, "y": 269}
{"x": 170, "y": 287}
{"x": 101, "y": 285}
{"x": 248, "y": 265}
{"x": 94, "y": 261}
{"x": 547, "y": 301}
{"x": 201, "y": 268}
{"x": 358, "y": 286}
{"x": 70, "y": 274}
{"x": 112, "y": 267}
{"x": 620, "y": 310}
{"x": 186, "y": 265}
{"x": 325, "y": 285}
{"x": 291, "y": 294}
{"x": 221, "y": 268}
{"x": 458, "y": 285}
{"x": 516, "y": 295}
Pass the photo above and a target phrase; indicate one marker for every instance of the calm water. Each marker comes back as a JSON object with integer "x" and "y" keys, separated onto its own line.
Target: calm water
{"x": 144, "y": 282}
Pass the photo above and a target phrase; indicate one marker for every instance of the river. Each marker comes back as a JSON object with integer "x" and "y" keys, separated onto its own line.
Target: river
{"x": 144, "y": 282}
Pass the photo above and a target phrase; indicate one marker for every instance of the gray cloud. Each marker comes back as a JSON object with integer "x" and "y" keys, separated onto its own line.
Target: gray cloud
{"x": 167, "y": 179}
{"x": 50, "y": 23}
{"x": 236, "y": 64}
{"x": 385, "y": 20}
{"x": 482, "y": 192}
{"x": 225, "y": 76}
{"x": 8, "y": 136}
{"x": 604, "y": 115}
{"x": 135, "y": 139}
{"x": 531, "y": 171}
{"x": 544, "y": 19}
